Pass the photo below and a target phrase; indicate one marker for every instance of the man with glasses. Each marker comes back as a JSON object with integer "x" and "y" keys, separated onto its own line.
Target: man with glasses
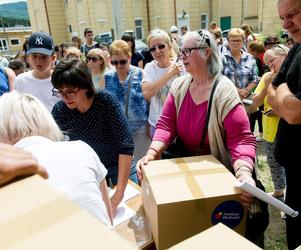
{"x": 285, "y": 98}
{"x": 38, "y": 80}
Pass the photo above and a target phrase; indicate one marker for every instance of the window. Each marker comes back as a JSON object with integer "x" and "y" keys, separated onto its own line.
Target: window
{"x": 139, "y": 28}
{"x": 14, "y": 41}
{"x": 204, "y": 21}
{"x": 69, "y": 28}
{"x": 3, "y": 44}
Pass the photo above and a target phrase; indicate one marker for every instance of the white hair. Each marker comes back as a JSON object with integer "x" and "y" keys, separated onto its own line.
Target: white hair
{"x": 198, "y": 39}
{"x": 275, "y": 51}
{"x": 23, "y": 115}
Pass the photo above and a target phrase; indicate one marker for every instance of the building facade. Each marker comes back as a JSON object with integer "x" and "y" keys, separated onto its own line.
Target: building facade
{"x": 12, "y": 39}
{"x": 66, "y": 18}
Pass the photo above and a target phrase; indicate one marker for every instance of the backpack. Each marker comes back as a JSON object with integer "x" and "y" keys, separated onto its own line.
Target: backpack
{"x": 4, "y": 87}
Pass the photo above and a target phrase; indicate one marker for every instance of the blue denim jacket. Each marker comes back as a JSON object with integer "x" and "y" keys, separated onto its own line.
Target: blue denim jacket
{"x": 137, "y": 106}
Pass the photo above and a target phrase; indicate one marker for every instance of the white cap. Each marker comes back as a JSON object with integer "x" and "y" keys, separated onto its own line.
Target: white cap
{"x": 173, "y": 29}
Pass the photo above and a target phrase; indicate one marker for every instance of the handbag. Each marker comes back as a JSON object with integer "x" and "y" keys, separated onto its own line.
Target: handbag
{"x": 257, "y": 218}
{"x": 177, "y": 149}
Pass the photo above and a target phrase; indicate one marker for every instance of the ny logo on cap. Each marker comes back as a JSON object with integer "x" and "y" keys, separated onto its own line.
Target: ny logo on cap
{"x": 39, "y": 40}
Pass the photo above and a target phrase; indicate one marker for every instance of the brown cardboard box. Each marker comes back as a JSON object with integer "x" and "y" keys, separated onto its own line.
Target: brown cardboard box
{"x": 216, "y": 238}
{"x": 184, "y": 196}
{"x": 35, "y": 216}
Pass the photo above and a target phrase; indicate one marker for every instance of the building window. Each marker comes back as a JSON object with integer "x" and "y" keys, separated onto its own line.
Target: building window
{"x": 69, "y": 28}
{"x": 139, "y": 28}
{"x": 3, "y": 44}
{"x": 204, "y": 21}
{"x": 14, "y": 41}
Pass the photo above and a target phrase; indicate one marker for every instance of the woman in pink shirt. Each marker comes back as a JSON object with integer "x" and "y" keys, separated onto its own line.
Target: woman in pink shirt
{"x": 228, "y": 136}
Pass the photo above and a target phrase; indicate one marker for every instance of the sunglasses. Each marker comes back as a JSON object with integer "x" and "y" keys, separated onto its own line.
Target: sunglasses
{"x": 121, "y": 62}
{"x": 93, "y": 59}
{"x": 160, "y": 46}
{"x": 205, "y": 38}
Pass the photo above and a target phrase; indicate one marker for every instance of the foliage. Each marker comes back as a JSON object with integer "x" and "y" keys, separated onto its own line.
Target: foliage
{"x": 12, "y": 14}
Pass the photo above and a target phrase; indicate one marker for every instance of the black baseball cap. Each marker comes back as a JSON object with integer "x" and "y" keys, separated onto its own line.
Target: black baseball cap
{"x": 40, "y": 43}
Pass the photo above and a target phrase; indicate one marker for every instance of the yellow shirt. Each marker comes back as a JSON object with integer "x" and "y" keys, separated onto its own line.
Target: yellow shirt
{"x": 269, "y": 123}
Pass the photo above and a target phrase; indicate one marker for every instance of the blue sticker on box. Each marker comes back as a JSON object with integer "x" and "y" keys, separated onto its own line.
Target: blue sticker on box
{"x": 230, "y": 213}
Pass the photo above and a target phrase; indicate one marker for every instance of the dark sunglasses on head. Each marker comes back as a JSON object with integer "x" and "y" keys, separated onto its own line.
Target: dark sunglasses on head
{"x": 205, "y": 38}
{"x": 160, "y": 46}
{"x": 93, "y": 59}
{"x": 121, "y": 62}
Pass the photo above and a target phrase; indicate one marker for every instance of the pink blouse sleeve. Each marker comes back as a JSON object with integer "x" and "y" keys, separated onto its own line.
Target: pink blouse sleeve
{"x": 240, "y": 140}
{"x": 166, "y": 125}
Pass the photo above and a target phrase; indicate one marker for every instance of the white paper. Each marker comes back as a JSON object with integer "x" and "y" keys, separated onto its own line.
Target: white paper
{"x": 129, "y": 192}
{"x": 266, "y": 198}
{"x": 123, "y": 213}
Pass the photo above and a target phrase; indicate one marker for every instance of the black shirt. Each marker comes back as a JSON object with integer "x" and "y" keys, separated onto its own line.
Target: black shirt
{"x": 287, "y": 149}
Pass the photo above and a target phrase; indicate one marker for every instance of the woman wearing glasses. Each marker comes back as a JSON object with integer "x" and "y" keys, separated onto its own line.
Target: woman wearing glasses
{"x": 274, "y": 58}
{"x": 96, "y": 63}
{"x": 95, "y": 118}
{"x": 124, "y": 80}
{"x": 227, "y": 136}
{"x": 238, "y": 65}
{"x": 159, "y": 74}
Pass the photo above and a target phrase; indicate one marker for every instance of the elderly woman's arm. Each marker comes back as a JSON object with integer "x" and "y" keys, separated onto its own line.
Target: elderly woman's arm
{"x": 242, "y": 146}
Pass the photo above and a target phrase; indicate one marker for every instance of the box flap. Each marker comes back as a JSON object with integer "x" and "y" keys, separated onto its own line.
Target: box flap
{"x": 190, "y": 178}
{"x": 216, "y": 238}
{"x": 33, "y": 215}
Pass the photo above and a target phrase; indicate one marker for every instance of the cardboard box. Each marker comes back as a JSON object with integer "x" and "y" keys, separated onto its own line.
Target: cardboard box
{"x": 216, "y": 238}
{"x": 184, "y": 196}
{"x": 35, "y": 216}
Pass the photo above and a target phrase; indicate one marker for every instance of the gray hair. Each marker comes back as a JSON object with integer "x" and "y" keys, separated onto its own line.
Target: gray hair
{"x": 276, "y": 50}
{"x": 204, "y": 39}
{"x": 23, "y": 115}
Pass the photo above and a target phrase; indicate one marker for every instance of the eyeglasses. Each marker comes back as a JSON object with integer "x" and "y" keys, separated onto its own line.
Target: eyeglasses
{"x": 159, "y": 46}
{"x": 185, "y": 53}
{"x": 235, "y": 41}
{"x": 280, "y": 47}
{"x": 205, "y": 37}
{"x": 121, "y": 62}
{"x": 93, "y": 59}
{"x": 70, "y": 94}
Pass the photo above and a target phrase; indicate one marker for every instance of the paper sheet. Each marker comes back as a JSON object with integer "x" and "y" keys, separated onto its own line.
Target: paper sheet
{"x": 266, "y": 198}
{"x": 123, "y": 213}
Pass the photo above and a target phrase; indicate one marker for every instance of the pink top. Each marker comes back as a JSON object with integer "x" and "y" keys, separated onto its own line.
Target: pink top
{"x": 190, "y": 123}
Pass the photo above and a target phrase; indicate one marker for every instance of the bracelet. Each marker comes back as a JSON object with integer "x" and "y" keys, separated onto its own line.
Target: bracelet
{"x": 155, "y": 150}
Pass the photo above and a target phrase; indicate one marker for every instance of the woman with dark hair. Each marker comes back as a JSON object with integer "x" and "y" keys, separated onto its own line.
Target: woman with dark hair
{"x": 95, "y": 118}
{"x": 137, "y": 57}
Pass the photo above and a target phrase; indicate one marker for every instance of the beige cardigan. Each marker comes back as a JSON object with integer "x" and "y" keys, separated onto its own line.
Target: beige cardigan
{"x": 225, "y": 98}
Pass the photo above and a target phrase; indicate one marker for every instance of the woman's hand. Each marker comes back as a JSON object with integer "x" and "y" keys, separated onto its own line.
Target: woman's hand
{"x": 175, "y": 69}
{"x": 115, "y": 200}
{"x": 143, "y": 162}
{"x": 269, "y": 78}
{"x": 247, "y": 199}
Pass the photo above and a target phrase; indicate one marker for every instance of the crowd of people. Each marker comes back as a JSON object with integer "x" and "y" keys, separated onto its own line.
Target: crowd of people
{"x": 109, "y": 110}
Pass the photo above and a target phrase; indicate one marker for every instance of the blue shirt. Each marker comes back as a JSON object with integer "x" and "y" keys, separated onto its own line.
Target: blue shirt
{"x": 103, "y": 126}
{"x": 137, "y": 106}
{"x": 3, "y": 81}
{"x": 242, "y": 73}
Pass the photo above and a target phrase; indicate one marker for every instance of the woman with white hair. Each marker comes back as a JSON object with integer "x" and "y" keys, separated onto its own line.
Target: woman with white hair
{"x": 159, "y": 74}
{"x": 227, "y": 135}
{"x": 73, "y": 167}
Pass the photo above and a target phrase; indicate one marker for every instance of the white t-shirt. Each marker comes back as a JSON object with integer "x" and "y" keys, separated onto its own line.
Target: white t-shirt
{"x": 152, "y": 73}
{"x": 42, "y": 89}
{"x": 74, "y": 169}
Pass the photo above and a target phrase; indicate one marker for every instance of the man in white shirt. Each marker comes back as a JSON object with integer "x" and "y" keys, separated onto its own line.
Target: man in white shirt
{"x": 38, "y": 80}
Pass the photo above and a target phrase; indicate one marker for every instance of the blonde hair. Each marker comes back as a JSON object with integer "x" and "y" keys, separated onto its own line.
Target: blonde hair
{"x": 120, "y": 47}
{"x": 275, "y": 51}
{"x": 236, "y": 32}
{"x": 100, "y": 54}
{"x": 23, "y": 115}
{"x": 163, "y": 35}
{"x": 72, "y": 52}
